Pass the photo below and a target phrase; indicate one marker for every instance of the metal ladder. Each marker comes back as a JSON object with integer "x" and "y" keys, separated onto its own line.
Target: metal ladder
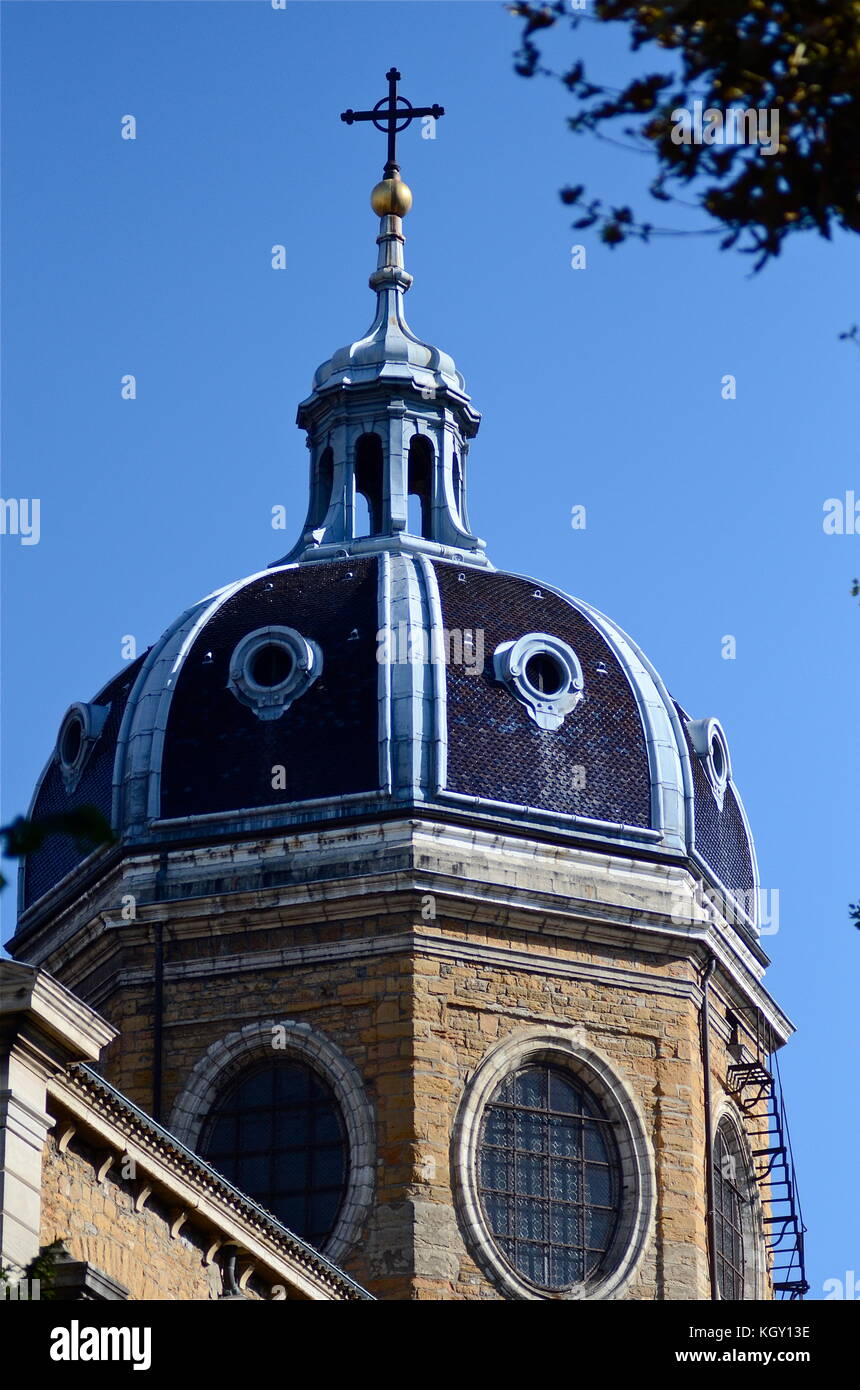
{"x": 755, "y": 1085}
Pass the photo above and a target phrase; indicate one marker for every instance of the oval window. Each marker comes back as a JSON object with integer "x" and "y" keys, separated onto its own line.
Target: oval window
{"x": 549, "y": 1179}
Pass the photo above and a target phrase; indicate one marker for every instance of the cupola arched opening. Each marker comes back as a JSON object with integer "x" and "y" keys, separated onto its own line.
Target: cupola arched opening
{"x": 457, "y": 476}
{"x": 420, "y": 483}
{"x": 321, "y": 485}
{"x": 368, "y": 482}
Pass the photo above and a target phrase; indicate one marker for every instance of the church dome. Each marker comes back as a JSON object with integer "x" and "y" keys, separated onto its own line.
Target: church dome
{"x": 352, "y": 687}
{"x": 364, "y": 675}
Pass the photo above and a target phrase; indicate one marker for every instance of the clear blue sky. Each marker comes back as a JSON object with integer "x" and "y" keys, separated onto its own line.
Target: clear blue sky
{"x": 600, "y": 387}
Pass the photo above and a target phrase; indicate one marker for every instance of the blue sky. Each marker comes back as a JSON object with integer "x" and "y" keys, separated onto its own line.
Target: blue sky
{"x": 599, "y": 387}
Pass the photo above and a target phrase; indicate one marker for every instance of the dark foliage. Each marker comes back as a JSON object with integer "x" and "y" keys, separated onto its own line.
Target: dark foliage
{"x": 798, "y": 58}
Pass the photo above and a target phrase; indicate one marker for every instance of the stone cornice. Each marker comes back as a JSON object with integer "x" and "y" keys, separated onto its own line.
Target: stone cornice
{"x": 190, "y": 1184}
{"x": 693, "y": 946}
{"x": 476, "y": 877}
{"x": 55, "y": 915}
{"x": 39, "y": 1012}
{"x": 436, "y": 946}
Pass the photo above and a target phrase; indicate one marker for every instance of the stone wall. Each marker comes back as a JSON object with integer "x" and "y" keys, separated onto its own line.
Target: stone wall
{"x": 649, "y": 1040}
{"x": 416, "y": 1025}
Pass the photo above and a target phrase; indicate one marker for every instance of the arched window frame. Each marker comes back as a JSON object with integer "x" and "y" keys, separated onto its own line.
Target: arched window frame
{"x": 542, "y": 1187}
{"x": 227, "y": 1057}
{"x": 729, "y": 1124}
{"x": 318, "y": 1188}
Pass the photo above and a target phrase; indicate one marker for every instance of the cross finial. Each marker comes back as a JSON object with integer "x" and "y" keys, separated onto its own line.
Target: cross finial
{"x": 391, "y": 115}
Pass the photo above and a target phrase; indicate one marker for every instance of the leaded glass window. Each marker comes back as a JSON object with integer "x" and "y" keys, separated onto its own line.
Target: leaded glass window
{"x": 728, "y": 1214}
{"x": 277, "y": 1133}
{"x": 549, "y": 1176}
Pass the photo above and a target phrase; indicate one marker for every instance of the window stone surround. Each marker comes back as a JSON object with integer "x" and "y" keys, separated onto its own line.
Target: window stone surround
{"x": 229, "y": 1056}
{"x": 756, "y": 1278}
{"x": 568, "y": 1049}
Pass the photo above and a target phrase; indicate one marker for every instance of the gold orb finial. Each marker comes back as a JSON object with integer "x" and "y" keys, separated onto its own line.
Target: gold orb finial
{"x": 391, "y": 198}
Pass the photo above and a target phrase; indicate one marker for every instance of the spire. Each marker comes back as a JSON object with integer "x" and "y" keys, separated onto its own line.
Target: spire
{"x": 388, "y": 418}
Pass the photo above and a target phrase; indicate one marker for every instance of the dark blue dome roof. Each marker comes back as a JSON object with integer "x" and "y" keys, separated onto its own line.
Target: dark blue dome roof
{"x": 381, "y": 725}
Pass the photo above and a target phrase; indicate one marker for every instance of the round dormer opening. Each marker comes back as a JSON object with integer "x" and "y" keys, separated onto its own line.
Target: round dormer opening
{"x": 71, "y": 742}
{"x": 718, "y": 759}
{"x": 270, "y": 666}
{"x": 545, "y": 674}
{"x": 709, "y": 741}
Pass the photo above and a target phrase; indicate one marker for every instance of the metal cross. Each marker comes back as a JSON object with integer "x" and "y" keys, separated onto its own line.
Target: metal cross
{"x": 391, "y": 115}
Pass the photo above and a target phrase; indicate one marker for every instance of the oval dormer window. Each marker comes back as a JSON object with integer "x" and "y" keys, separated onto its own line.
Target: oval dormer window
{"x": 272, "y": 667}
{"x": 79, "y": 731}
{"x": 709, "y": 741}
{"x": 544, "y": 674}
{"x": 71, "y": 742}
